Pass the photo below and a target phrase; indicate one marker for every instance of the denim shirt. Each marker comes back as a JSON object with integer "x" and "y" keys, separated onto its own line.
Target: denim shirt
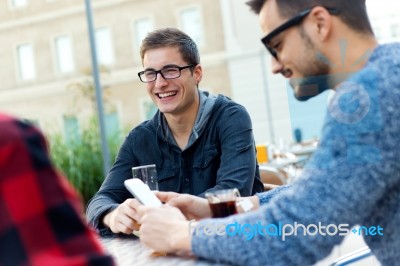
{"x": 221, "y": 156}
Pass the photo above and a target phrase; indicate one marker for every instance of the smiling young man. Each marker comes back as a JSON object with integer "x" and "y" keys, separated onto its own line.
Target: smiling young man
{"x": 198, "y": 141}
{"x": 352, "y": 179}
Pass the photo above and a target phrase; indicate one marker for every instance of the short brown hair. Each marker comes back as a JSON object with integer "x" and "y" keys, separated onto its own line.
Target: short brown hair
{"x": 352, "y": 12}
{"x": 171, "y": 37}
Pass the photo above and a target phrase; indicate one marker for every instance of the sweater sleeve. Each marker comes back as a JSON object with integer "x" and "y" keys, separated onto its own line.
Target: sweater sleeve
{"x": 265, "y": 197}
{"x": 354, "y": 167}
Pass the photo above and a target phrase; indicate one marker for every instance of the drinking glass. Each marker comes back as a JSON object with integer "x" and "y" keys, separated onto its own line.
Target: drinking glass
{"x": 222, "y": 202}
{"x": 148, "y": 174}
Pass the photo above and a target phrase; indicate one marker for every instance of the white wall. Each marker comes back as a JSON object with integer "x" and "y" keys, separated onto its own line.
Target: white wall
{"x": 253, "y": 85}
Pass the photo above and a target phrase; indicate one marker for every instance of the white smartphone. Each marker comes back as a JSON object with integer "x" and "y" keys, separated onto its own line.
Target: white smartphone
{"x": 142, "y": 192}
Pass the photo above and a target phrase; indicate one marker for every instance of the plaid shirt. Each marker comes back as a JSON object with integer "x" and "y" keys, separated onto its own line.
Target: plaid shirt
{"x": 41, "y": 221}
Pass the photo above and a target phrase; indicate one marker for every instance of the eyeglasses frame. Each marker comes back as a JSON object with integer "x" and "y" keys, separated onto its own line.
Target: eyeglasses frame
{"x": 162, "y": 75}
{"x": 296, "y": 20}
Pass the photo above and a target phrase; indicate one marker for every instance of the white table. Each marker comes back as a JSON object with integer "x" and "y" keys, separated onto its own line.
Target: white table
{"x": 129, "y": 251}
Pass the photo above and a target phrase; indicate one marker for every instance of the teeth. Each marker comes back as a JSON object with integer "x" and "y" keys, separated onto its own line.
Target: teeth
{"x": 166, "y": 94}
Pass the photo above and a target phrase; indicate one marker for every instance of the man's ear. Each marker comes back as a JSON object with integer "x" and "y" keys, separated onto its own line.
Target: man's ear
{"x": 198, "y": 73}
{"x": 321, "y": 23}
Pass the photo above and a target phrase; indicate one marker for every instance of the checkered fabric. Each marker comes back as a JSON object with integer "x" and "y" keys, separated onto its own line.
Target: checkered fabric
{"x": 41, "y": 221}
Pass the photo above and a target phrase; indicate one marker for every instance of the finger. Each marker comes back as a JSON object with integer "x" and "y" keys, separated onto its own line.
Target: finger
{"x": 121, "y": 227}
{"x": 142, "y": 211}
{"x": 178, "y": 202}
{"x": 129, "y": 209}
{"x": 134, "y": 203}
{"x": 128, "y": 223}
{"x": 166, "y": 196}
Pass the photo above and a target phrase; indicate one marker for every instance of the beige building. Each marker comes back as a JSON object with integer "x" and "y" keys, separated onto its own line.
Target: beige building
{"x": 45, "y": 56}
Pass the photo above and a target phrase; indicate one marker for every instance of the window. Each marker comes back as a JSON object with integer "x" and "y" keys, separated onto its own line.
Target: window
{"x": 71, "y": 129}
{"x": 141, "y": 28}
{"x": 26, "y": 62}
{"x": 19, "y": 3}
{"x": 191, "y": 24}
{"x": 64, "y": 54}
{"x": 105, "y": 53}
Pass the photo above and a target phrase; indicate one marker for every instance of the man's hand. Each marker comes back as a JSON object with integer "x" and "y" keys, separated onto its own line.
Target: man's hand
{"x": 191, "y": 206}
{"x": 164, "y": 229}
{"x": 198, "y": 208}
{"x": 123, "y": 218}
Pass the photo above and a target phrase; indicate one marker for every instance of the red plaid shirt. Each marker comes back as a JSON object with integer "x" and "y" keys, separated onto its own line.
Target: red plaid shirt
{"x": 41, "y": 220}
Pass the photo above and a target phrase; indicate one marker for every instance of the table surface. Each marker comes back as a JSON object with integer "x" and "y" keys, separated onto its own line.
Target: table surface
{"x": 129, "y": 251}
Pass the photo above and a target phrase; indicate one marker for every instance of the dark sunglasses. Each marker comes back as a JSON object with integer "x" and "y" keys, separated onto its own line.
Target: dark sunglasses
{"x": 296, "y": 20}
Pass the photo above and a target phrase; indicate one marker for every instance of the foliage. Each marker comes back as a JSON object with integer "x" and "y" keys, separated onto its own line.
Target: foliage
{"x": 79, "y": 156}
{"x": 81, "y": 160}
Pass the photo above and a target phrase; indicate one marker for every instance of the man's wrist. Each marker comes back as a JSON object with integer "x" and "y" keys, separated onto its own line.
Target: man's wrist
{"x": 256, "y": 202}
{"x": 106, "y": 220}
{"x": 182, "y": 238}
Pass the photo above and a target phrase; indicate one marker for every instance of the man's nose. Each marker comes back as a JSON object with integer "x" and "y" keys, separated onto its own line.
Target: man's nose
{"x": 277, "y": 67}
{"x": 160, "y": 80}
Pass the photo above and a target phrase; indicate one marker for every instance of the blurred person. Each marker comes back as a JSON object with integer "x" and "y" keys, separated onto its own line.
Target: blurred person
{"x": 199, "y": 142}
{"x": 352, "y": 179}
{"x": 41, "y": 216}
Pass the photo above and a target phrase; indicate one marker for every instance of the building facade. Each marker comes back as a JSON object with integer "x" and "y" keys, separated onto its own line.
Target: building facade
{"x": 45, "y": 73}
{"x": 46, "y": 63}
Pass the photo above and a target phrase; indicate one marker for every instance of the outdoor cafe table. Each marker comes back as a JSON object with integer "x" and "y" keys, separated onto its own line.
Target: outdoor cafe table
{"x": 129, "y": 251}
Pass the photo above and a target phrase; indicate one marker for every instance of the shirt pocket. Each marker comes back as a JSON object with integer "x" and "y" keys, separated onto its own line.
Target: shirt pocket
{"x": 167, "y": 179}
{"x": 206, "y": 166}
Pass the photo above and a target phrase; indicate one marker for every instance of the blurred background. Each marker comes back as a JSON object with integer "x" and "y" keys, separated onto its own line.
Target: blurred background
{"x": 46, "y": 73}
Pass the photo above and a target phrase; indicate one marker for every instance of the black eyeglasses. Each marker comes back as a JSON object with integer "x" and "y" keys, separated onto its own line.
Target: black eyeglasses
{"x": 167, "y": 72}
{"x": 296, "y": 20}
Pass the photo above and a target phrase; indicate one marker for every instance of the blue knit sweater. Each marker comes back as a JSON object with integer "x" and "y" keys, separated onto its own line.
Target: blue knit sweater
{"x": 351, "y": 182}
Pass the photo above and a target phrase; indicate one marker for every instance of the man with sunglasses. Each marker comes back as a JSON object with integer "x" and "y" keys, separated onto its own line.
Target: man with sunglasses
{"x": 351, "y": 185}
{"x": 199, "y": 142}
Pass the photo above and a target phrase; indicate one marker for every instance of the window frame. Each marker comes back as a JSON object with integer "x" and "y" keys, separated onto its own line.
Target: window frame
{"x": 202, "y": 42}
{"x": 19, "y": 72}
{"x": 56, "y": 61}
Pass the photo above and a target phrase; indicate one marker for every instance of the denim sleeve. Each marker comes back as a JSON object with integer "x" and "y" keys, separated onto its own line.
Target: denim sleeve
{"x": 238, "y": 158}
{"x": 112, "y": 192}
